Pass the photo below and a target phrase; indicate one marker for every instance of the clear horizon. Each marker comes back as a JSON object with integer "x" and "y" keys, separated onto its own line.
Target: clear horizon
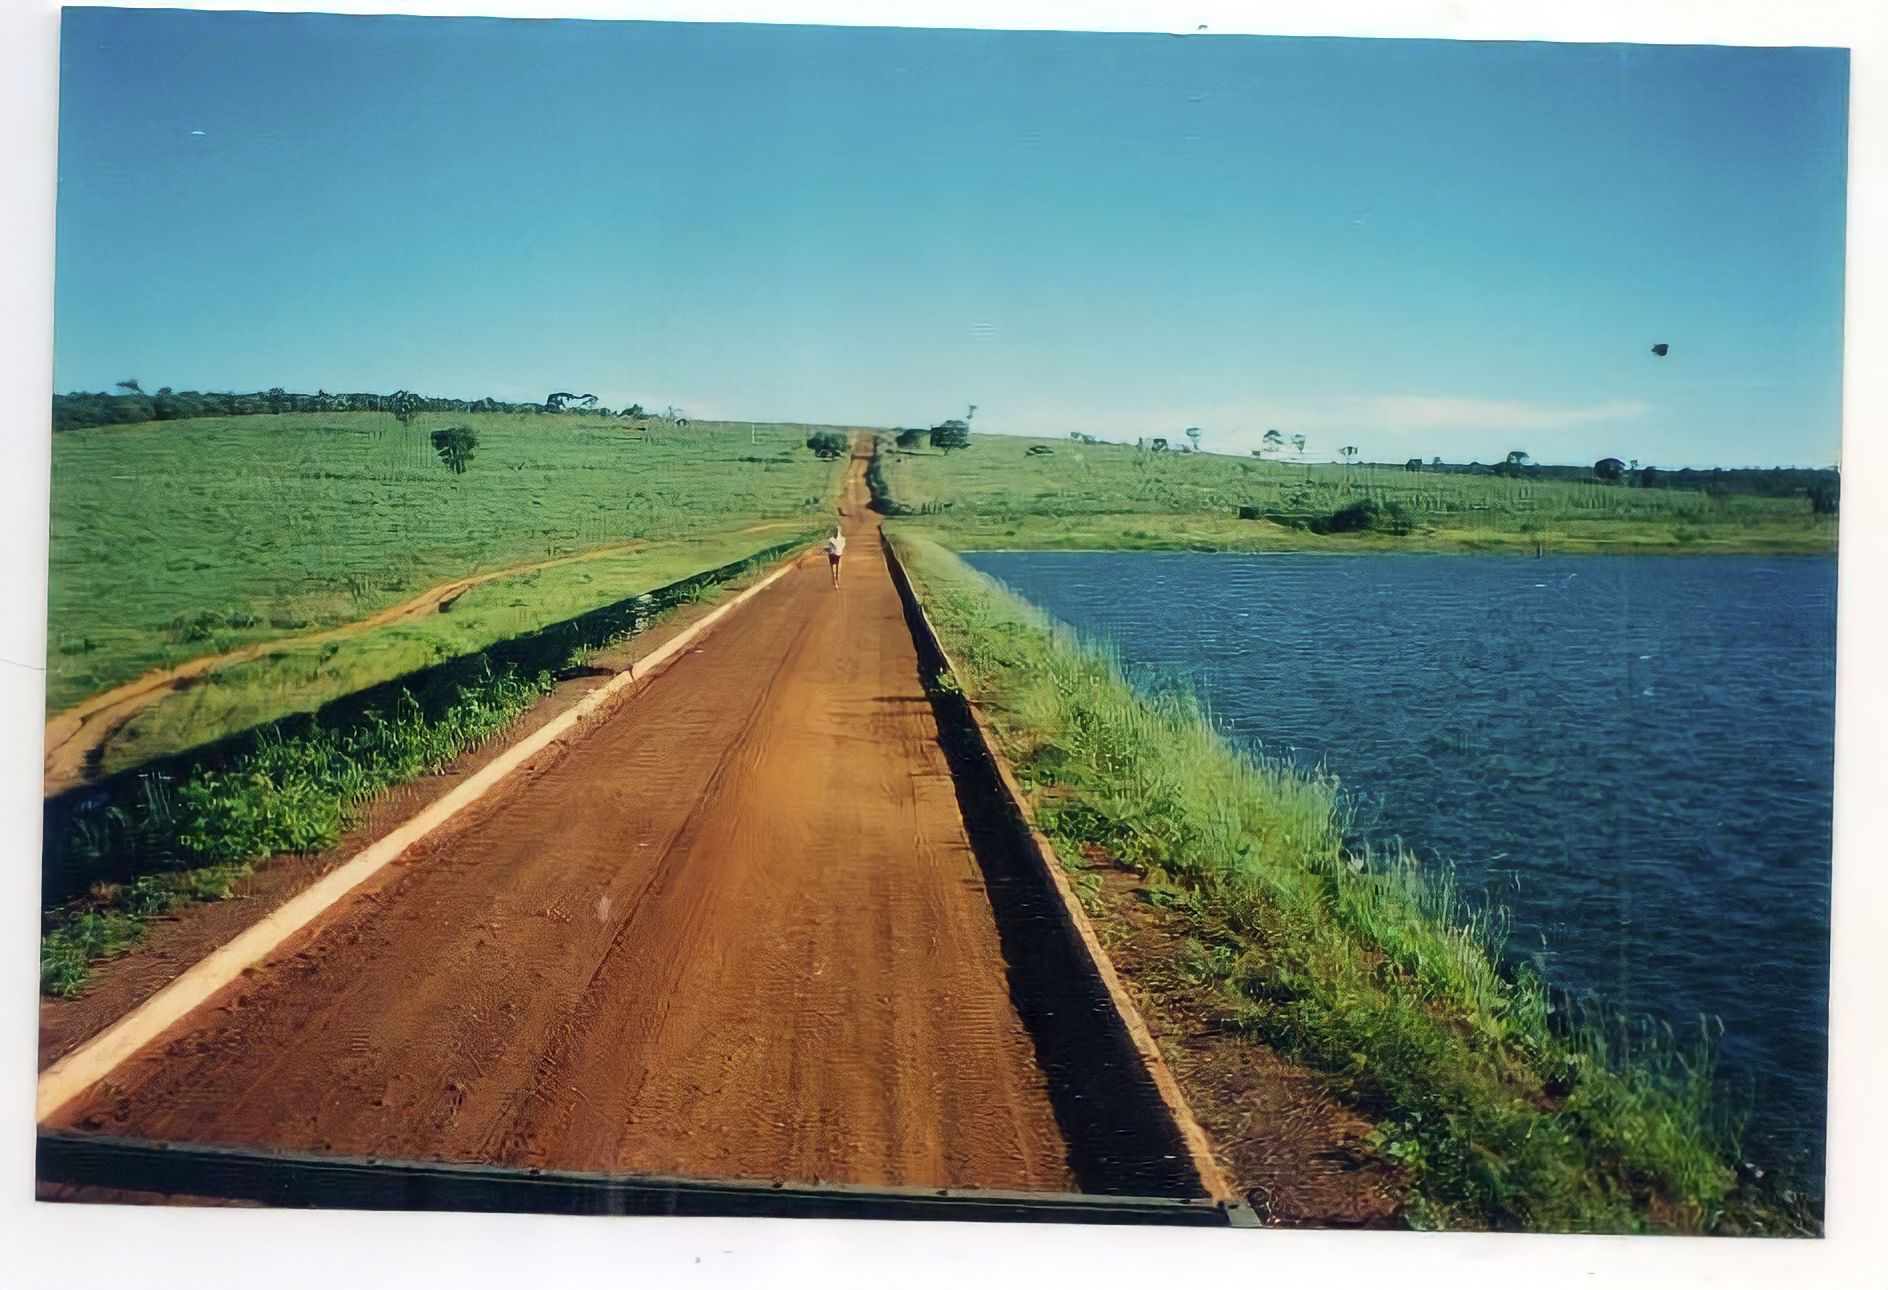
{"x": 1422, "y": 248}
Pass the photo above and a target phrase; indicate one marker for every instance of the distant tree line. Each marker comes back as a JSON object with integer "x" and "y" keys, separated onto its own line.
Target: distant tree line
{"x": 129, "y": 404}
{"x": 1744, "y": 481}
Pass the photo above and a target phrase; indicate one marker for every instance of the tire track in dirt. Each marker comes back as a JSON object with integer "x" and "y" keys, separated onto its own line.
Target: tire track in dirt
{"x": 738, "y": 931}
{"x": 76, "y": 739}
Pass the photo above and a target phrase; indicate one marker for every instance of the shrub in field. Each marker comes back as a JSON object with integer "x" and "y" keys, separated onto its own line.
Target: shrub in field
{"x": 1355, "y": 518}
{"x": 1365, "y": 515}
{"x": 204, "y": 625}
{"x": 1394, "y": 517}
{"x": 455, "y": 446}
{"x": 826, "y": 445}
{"x": 950, "y": 435}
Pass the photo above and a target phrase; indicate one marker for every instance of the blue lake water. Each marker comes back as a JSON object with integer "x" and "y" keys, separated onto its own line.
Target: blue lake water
{"x": 1634, "y": 754}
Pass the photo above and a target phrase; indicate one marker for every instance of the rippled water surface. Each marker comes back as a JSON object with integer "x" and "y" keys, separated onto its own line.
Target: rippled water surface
{"x": 1635, "y": 754}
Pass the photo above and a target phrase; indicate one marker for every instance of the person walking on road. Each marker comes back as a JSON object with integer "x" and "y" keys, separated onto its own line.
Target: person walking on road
{"x": 835, "y": 548}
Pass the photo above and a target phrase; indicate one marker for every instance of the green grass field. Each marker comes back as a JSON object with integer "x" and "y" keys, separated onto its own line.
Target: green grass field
{"x": 997, "y": 494}
{"x": 299, "y": 675}
{"x": 176, "y": 539}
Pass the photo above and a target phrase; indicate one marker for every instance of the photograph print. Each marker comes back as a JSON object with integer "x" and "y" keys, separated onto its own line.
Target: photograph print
{"x": 838, "y": 622}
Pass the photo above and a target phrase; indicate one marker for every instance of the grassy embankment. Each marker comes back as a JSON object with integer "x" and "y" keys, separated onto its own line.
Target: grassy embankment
{"x": 179, "y": 540}
{"x": 301, "y": 672}
{"x": 995, "y": 494}
{"x": 1503, "y": 1114}
{"x": 293, "y": 793}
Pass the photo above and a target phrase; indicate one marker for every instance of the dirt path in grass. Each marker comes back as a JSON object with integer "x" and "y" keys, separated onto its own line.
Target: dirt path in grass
{"x": 737, "y": 931}
{"x": 76, "y": 739}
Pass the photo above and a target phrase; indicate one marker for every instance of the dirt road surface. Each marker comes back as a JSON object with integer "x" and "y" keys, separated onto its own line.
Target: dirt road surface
{"x": 739, "y": 931}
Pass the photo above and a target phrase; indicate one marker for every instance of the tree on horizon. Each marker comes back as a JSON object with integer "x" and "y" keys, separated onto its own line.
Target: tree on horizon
{"x": 950, "y": 435}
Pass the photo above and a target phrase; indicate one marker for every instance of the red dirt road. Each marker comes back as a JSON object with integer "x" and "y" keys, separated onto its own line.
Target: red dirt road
{"x": 737, "y": 932}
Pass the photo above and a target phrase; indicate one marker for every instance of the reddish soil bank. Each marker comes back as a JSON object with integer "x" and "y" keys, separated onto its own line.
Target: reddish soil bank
{"x": 738, "y": 931}
{"x": 1299, "y": 1155}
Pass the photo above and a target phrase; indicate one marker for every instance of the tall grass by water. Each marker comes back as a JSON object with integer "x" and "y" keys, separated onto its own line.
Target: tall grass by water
{"x": 1509, "y": 1109}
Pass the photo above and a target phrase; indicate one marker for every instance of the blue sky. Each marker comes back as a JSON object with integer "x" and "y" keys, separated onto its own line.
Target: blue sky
{"x": 1422, "y": 248}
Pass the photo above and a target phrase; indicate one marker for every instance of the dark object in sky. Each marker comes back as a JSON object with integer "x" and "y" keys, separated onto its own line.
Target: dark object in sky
{"x": 1660, "y": 349}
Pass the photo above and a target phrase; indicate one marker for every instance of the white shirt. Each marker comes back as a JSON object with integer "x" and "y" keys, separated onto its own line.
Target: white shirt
{"x": 836, "y": 544}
